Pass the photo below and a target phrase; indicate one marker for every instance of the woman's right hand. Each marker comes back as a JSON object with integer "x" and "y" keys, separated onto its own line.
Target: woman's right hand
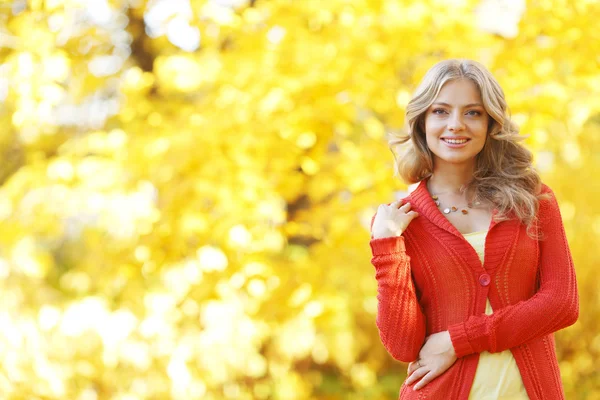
{"x": 392, "y": 220}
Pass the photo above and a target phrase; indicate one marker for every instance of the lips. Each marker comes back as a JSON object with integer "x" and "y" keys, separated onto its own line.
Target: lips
{"x": 455, "y": 141}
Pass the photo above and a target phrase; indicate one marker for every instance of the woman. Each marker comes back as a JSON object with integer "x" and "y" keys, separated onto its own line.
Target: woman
{"x": 473, "y": 268}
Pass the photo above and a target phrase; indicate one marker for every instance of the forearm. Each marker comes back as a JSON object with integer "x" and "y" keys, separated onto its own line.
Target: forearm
{"x": 400, "y": 321}
{"x": 512, "y": 326}
{"x": 554, "y": 306}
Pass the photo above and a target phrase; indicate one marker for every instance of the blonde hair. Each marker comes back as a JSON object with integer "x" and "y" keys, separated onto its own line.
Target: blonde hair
{"x": 504, "y": 175}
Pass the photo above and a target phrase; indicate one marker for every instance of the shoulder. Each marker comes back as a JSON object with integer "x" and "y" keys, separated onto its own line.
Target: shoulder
{"x": 548, "y": 203}
{"x": 546, "y": 195}
{"x": 545, "y": 189}
{"x": 403, "y": 197}
{"x": 408, "y": 196}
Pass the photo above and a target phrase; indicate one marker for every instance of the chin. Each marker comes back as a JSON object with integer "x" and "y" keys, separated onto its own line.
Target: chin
{"x": 457, "y": 159}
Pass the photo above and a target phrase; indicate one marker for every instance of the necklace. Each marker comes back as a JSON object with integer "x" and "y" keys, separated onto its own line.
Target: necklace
{"x": 450, "y": 209}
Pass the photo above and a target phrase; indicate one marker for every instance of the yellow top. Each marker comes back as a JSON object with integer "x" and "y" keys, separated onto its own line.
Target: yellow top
{"x": 497, "y": 376}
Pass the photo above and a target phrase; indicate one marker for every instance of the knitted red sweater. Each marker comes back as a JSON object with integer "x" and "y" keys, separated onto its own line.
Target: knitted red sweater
{"x": 430, "y": 279}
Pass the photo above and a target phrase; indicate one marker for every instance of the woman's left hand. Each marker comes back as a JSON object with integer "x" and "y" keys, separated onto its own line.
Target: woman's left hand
{"x": 435, "y": 357}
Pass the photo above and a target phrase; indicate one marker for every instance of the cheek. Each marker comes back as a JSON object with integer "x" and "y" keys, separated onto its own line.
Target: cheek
{"x": 433, "y": 127}
{"x": 479, "y": 130}
{"x": 483, "y": 129}
{"x": 430, "y": 135}
{"x": 481, "y": 140}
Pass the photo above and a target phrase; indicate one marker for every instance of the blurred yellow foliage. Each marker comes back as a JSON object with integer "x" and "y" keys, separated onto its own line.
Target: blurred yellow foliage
{"x": 186, "y": 186}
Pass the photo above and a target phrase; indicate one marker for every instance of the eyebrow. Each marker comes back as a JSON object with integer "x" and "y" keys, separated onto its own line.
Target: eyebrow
{"x": 465, "y": 106}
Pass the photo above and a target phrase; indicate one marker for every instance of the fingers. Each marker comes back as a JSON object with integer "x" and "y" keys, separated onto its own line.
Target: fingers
{"x": 391, "y": 219}
{"x": 413, "y": 366}
{"x": 395, "y": 204}
{"x": 411, "y": 214}
{"x": 406, "y": 208}
{"x": 416, "y": 375}
{"x": 403, "y": 207}
{"x": 431, "y": 375}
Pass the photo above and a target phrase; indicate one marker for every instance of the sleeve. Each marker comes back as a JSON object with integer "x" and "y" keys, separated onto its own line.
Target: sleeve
{"x": 400, "y": 320}
{"x": 555, "y": 305}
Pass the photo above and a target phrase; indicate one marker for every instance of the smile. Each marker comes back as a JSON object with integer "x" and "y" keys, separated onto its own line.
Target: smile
{"x": 455, "y": 141}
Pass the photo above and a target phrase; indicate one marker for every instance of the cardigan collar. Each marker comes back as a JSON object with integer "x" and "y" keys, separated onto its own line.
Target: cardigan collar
{"x": 421, "y": 198}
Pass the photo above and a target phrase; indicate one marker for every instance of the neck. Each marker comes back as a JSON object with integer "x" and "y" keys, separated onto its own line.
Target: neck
{"x": 450, "y": 177}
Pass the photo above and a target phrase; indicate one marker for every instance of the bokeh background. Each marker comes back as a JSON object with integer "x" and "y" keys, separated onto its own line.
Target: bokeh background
{"x": 186, "y": 186}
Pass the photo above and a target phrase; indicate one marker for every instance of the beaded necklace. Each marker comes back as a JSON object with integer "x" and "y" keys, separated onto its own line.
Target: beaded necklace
{"x": 450, "y": 209}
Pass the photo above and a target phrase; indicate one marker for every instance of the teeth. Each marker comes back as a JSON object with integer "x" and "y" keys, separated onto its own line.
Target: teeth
{"x": 455, "y": 141}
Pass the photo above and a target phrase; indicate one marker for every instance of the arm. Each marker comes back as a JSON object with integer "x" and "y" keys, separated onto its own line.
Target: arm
{"x": 553, "y": 307}
{"x": 400, "y": 321}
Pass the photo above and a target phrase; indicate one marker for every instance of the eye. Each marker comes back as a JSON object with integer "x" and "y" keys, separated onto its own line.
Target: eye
{"x": 474, "y": 113}
{"x": 438, "y": 111}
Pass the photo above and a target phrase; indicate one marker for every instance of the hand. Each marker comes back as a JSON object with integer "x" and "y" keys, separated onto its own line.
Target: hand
{"x": 392, "y": 220}
{"x": 435, "y": 357}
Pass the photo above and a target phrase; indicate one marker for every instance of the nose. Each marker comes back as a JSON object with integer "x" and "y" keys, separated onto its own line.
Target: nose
{"x": 455, "y": 122}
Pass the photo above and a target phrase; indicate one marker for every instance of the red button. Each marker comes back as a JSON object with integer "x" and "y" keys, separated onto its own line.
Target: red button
{"x": 484, "y": 279}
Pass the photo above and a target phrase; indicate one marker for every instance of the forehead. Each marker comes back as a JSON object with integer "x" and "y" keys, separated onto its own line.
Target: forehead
{"x": 459, "y": 91}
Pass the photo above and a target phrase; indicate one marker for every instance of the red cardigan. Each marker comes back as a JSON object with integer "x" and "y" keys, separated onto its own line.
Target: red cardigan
{"x": 430, "y": 279}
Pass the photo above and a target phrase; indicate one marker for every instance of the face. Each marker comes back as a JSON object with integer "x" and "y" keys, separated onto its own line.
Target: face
{"x": 456, "y": 124}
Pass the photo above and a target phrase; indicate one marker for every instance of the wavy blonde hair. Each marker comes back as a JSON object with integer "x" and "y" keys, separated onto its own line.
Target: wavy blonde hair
{"x": 504, "y": 175}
